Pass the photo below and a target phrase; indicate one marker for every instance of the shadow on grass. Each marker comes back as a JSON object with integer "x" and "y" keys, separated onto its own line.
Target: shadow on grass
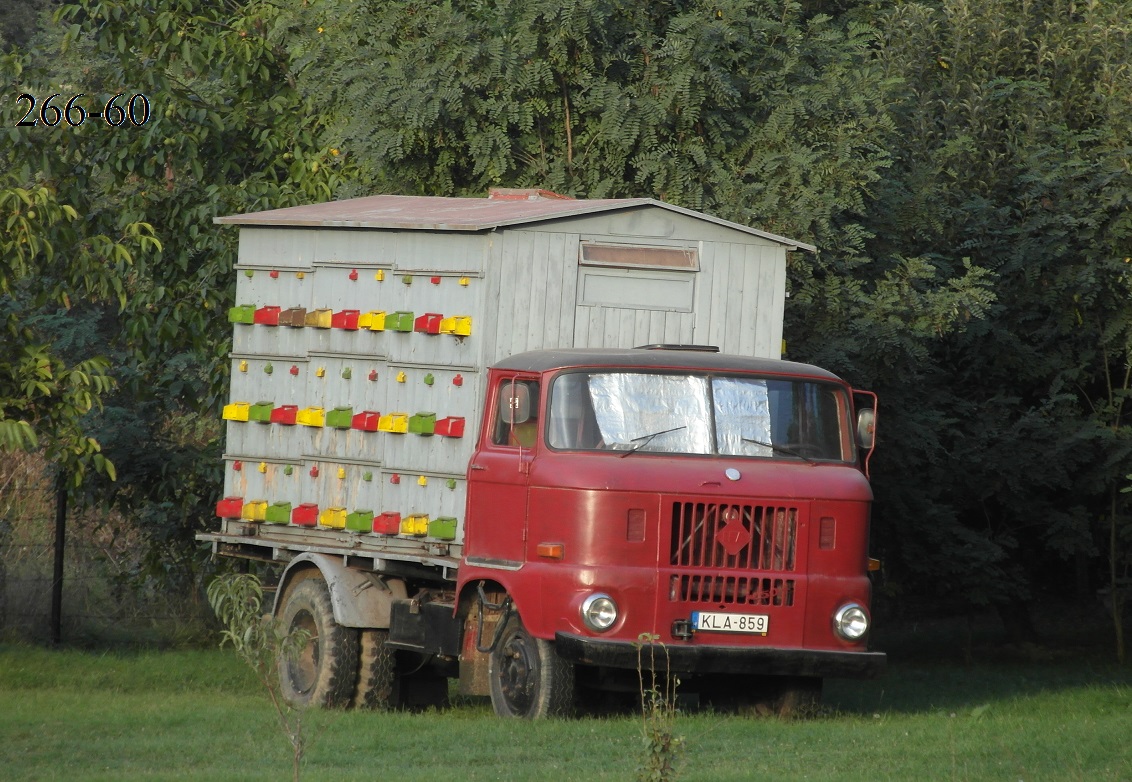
{"x": 957, "y": 663}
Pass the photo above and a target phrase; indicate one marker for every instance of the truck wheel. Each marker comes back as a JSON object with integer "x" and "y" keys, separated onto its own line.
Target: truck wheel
{"x": 325, "y": 671}
{"x": 377, "y": 673}
{"x": 526, "y": 676}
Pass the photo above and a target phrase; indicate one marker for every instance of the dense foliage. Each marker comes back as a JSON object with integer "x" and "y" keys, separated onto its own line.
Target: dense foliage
{"x": 1014, "y": 157}
{"x": 963, "y": 168}
{"x": 129, "y": 209}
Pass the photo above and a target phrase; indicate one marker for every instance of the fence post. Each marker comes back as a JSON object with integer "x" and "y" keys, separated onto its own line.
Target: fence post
{"x": 5, "y": 539}
{"x": 60, "y": 540}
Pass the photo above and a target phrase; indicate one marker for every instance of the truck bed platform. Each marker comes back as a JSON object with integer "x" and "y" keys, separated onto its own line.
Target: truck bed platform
{"x": 409, "y": 558}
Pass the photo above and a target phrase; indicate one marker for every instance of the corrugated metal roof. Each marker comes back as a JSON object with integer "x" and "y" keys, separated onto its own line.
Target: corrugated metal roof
{"x": 434, "y": 213}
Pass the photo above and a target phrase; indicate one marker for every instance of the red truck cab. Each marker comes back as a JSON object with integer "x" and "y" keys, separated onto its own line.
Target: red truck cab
{"x": 714, "y": 506}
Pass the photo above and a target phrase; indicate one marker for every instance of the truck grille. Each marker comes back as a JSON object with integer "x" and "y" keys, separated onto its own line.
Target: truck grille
{"x": 736, "y": 590}
{"x": 734, "y": 537}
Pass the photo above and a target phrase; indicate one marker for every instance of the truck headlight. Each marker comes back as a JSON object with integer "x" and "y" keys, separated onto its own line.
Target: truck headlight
{"x": 599, "y": 612}
{"x": 851, "y": 622}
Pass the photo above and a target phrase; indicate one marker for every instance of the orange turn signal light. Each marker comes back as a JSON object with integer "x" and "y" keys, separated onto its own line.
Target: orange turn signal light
{"x": 874, "y": 564}
{"x": 551, "y": 550}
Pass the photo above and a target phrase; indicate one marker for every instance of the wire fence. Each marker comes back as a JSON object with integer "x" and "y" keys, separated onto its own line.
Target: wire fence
{"x": 104, "y": 597}
{"x": 120, "y": 587}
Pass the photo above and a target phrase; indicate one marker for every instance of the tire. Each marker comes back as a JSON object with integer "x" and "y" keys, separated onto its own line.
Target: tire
{"x": 526, "y": 676}
{"x": 378, "y": 683}
{"x": 325, "y": 671}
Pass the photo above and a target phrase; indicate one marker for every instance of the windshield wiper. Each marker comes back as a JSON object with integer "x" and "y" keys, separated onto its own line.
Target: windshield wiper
{"x": 778, "y": 449}
{"x": 647, "y": 438}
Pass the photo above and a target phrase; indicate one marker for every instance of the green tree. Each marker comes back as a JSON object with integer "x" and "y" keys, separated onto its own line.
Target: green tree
{"x": 19, "y": 20}
{"x": 742, "y": 109}
{"x": 1013, "y": 153}
{"x": 51, "y": 261}
{"x": 124, "y": 213}
{"x": 753, "y": 112}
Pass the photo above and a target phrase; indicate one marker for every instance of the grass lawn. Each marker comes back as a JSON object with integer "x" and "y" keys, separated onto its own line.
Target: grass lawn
{"x": 77, "y": 715}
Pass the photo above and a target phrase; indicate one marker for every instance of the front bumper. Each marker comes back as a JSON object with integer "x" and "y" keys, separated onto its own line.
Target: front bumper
{"x": 700, "y": 659}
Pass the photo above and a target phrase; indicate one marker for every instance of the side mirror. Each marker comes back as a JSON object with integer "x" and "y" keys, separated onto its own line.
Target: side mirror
{"x": 866, "y": 428}
{"x": 515, "y": 403}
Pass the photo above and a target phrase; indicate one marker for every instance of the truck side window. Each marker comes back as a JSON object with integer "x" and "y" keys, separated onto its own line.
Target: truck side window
{"x": 516, "y": 414}
{"x": 571, "y": 423}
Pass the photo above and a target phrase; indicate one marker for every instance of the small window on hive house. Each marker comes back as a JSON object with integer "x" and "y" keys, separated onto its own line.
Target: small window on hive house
{"x": 630, "y": 256}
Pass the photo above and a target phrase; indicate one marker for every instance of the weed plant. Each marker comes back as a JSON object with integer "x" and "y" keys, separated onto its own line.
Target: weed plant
{"x": 261, "y": 641}
{"x": 663, "y": 747}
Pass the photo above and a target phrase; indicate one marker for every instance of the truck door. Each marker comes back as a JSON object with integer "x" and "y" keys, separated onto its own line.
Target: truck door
{"x": 499, "y": 473}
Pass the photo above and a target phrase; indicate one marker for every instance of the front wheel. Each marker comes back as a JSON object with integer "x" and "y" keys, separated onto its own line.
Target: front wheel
{"x": 527, "y": 677}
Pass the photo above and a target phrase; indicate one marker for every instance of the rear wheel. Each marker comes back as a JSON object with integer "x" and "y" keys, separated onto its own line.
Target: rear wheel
{"x": 325, "y": 671}
{"x": 527, "y": 678}
{"x": 377, "y": 673}
{"x": 392, "y": 679}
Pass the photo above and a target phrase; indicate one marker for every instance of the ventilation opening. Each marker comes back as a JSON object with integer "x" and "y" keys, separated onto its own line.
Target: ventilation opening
{"x": 732, "y": 590}
{"x": 735, "y": 537}
{"x": 629, "y": 256}
{"x": 697, "y": 348}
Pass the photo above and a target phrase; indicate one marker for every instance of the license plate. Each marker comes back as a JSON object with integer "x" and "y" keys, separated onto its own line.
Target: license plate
{"x": 715, "y": 622}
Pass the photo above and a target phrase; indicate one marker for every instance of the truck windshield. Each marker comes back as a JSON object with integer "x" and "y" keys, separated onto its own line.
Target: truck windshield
{"x": 770, "y": 418}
